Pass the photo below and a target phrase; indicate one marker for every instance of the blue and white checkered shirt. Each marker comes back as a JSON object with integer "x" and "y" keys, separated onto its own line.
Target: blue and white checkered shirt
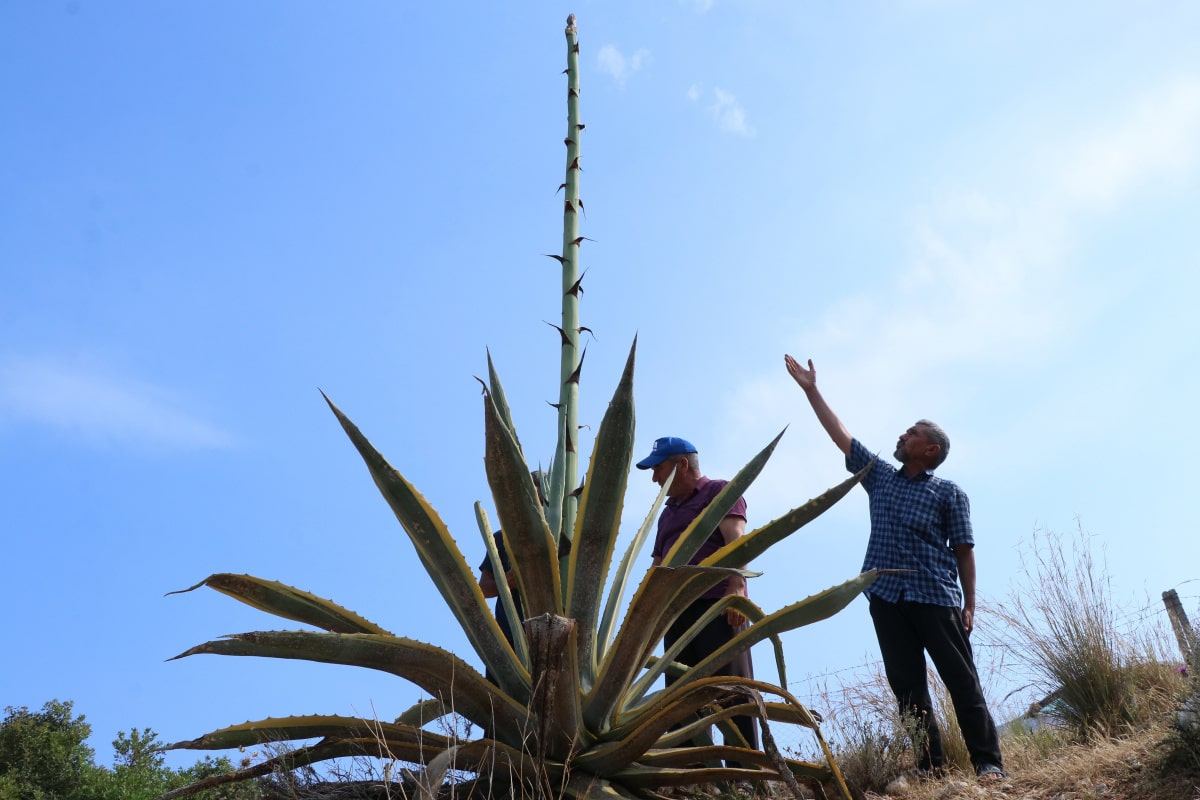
{"x": 915, "y": 523}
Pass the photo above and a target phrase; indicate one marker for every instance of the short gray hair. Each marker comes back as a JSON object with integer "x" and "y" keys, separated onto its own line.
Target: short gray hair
{"x": 935, "y": 434}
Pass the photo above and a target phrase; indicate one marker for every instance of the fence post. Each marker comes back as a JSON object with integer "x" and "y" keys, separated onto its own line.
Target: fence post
{"x": 1185, "y": 634}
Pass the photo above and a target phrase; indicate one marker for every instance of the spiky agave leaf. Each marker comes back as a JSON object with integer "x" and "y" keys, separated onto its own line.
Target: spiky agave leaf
{"x": 440, "y": 673}
{"x": 508, "y": 765}
{"x": 286, "y": 762}
{"x": 443, "y": 561}
{"x": 531, "y": 547}
{"x": 291, "y": 729}
{"x": 499, "y": 398}
{"x": 425, "y": 711}
{"x": 599, "y": 520}
{"x": 429, "y": 780}
{"x": 287, "y": 602}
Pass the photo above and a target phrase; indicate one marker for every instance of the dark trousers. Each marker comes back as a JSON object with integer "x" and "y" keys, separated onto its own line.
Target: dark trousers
{"x": 708, "y": 641}
{"x": 906, "y": 631}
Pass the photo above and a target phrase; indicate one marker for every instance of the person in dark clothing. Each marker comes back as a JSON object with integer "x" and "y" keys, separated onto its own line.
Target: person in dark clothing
{"x": 487, "y": 583}
{"x": 689, "y": 495}
{"x": 921, "y": 527}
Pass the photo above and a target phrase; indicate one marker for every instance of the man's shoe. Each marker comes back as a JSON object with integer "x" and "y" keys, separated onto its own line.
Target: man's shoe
{"x": 990, "y": 773}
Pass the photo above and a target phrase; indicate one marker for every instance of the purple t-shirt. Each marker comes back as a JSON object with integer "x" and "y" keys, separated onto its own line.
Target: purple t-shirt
{"x": 678, "y": 513}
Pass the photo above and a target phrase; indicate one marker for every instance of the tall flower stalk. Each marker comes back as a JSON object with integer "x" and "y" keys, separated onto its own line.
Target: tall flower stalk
{"x": 566, "y": 461}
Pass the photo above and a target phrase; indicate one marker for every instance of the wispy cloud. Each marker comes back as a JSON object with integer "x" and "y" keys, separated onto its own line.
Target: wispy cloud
{"x": 621, "y": 67}
{"x": 996, "y": 262}
{"x": 992, "y": 285}
{"x": 1157, "y": 137}
{"x": 97, "y": 407}
{"x": 724, "y": 108}
{"x": 700, "y": 6}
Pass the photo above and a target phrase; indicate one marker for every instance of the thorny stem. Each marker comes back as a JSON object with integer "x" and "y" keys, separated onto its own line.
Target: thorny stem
{"x": 565, "y": 479}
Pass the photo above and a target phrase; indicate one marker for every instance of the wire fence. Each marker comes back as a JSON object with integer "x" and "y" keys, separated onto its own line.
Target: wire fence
{"x": 1011, "y": 685}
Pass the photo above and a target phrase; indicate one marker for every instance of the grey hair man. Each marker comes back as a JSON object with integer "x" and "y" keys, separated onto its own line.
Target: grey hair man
{"x": 920, "y": 527}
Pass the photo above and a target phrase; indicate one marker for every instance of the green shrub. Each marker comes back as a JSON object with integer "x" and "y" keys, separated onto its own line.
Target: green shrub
{"x": 43, "y": 754}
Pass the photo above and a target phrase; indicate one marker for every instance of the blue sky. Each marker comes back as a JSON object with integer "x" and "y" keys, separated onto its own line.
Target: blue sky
{"x": 980, "y": 213}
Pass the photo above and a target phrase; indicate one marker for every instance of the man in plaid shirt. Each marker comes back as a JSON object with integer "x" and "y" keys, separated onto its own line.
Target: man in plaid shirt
{"x": 921, "y": 525}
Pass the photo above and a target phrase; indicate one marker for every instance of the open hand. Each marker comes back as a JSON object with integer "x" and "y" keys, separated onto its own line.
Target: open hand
{"x": 807, "y": 378}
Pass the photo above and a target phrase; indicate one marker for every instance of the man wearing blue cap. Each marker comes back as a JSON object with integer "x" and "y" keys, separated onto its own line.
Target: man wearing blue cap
{"x": 690, "y": 494}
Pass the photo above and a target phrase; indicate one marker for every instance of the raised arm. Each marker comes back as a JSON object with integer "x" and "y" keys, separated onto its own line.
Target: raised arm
{"x": 807, "y": 379}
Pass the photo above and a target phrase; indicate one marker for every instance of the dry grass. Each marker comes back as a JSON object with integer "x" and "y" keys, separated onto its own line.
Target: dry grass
{"x": 872, "y": 743}
{"x": 1061, "y": 622}
{"x": 1141, "y": 766}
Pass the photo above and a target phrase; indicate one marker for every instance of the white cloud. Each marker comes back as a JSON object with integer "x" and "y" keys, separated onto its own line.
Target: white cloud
{"x": 1158, "y": 137}
{"x": 98, "y": 407}
{"x": 992, "y": 301}
{"x": 725, "y": 109}
{"x": 996, "y": 263}
{"x": 621, "y": 67}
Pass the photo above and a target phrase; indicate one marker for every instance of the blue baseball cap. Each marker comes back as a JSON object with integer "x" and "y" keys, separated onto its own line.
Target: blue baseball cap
{"x": 663, "y": 449}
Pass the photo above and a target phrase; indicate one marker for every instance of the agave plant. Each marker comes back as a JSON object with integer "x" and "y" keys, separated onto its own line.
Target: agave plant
{"x": 571, "y": 707}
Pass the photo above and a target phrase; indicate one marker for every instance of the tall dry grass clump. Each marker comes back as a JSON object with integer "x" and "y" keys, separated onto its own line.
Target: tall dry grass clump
{"x": 874, "y": 743}
{"x": 865, "y": 730}
{"x": 1061, "y": 622}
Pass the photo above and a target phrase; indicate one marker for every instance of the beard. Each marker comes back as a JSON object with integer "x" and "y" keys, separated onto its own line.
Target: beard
{"x": 900, "y": 455}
